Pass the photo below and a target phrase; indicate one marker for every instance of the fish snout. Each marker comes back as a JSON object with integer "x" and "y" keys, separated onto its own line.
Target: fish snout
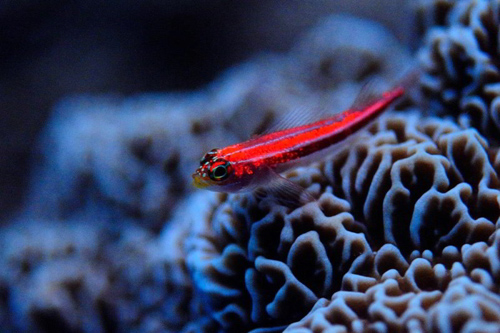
{"x": 199, "y": 182}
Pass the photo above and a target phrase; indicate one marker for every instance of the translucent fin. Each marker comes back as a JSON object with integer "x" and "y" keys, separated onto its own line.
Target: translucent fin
{"x": 298, "y": 116}
{"x": 373, "y": 89}
{"x": 368, "y": 94}
{"x": 284, "y": 191}
{"x": 410, "y": 83}
{"x": 303, "y": 115}
{"x": 410, "y": 78}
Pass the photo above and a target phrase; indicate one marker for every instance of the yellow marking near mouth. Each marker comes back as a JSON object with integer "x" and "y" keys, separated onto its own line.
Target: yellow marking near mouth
{"x": 199, "y": 183}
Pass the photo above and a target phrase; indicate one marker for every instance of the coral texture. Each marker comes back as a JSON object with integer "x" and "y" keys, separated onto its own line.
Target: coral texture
{"x": 406, "y": 182}
{"x": 255, "y": 265}
{"x": 403, "y": 235}
{"x": 413, "y": 302}
{"x": 88, "y": 278}
{"x": 457, "y": 290}
{"x": 461, "y": 63}
{"x": 411, "y": 182}
{"x": 55, "y": 278}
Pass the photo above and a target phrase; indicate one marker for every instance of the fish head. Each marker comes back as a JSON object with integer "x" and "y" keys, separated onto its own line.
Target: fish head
{"x": 214, "y": 173}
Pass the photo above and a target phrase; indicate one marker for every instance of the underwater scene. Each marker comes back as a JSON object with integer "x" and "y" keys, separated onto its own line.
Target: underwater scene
{"x": 402, "y": 231}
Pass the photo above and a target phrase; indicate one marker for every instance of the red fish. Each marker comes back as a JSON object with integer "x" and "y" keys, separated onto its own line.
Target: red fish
{"x": 258, "y": 161}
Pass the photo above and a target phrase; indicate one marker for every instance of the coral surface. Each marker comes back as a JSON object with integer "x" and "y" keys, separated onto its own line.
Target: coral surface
{"x": 460, "y": 58}
{"x": 403, "y": 233}
{"x": 55, "y": 276}
{"x": 401, "y": 202}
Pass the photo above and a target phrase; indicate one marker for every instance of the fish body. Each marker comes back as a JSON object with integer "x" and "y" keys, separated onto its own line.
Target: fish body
{"x": 246, "y": 165}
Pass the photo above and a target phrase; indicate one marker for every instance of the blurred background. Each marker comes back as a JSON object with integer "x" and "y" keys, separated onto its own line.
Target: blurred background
{"x": 54, "y": 48}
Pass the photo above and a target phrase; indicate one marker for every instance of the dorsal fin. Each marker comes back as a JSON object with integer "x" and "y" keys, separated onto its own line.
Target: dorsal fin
{"x": 328, "y": 105}
{"x": 374, "y": 88}
{"x": 298, "y": 116}
{"x": 368, "y": 94}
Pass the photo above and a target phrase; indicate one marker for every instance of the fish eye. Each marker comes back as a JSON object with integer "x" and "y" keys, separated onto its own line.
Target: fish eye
{"x": 220, "y": 171}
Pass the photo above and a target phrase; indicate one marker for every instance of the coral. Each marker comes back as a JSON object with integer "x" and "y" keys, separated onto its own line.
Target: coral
{"x": 397, "y": 304}
{"x": 408, "y": 181}
{"x": 447, "y": 212}
{"x": 453, "y": 291}
{"x": 403, "y": 233}
{"x": 77, "y": 277}
{"x": 460, "y": 61}
{"x": 53, "y": 278}
{"x": 409, "y": 174}
{"x": 257, "y": 264}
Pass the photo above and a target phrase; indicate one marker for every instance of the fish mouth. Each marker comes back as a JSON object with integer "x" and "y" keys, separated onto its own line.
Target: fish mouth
{"x": 198, "y": 182}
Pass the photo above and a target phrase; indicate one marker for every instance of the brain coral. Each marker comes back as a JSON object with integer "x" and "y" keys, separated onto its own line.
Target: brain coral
{"x": 408, "y": 174}
{"x": 407, "y": 181}
{"x": 79, "y": 277}
{"x": 53, "y": 276}
{"x": 457, "y": 290}
{"x": 460, "y": 59}
{"x": 421, "y": 300}
{"x": 261, "y": 265}
{"x": 403, "y": 234}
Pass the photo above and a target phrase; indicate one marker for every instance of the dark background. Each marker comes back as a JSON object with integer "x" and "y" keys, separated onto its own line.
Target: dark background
{"x": 49, "y": 49}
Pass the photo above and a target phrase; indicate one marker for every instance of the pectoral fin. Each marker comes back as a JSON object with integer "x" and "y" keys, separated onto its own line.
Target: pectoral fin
{"x": 283, "y": 191}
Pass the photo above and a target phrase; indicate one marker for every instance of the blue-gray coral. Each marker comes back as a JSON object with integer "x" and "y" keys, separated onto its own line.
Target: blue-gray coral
{"x": 55, "y": 276}
{"x": 256, "y": 265}
{"x": 406, "y": 179}
{"x": 78, "y": 277}
{"x": 408, "y": 174}
{"x": 460, "y": 60}
{"x": 398, "y": 303}
{"x": 403, "y": 234}
{"x": 457, "y": 290}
